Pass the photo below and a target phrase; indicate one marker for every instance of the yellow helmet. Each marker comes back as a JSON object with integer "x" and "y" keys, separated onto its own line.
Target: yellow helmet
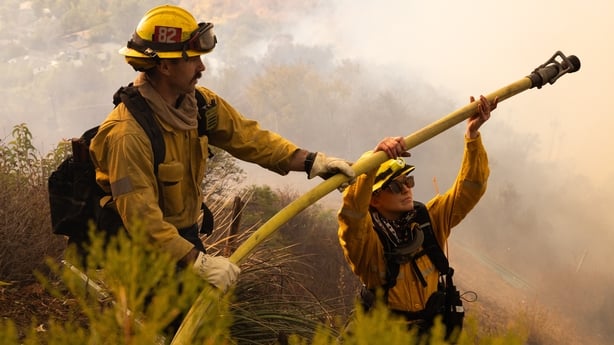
{"x": 389, "y": 170}
{"x": 168, "y": 32}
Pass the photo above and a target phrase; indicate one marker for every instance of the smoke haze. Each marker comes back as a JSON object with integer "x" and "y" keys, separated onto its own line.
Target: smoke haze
{"x": 338, "y": 76}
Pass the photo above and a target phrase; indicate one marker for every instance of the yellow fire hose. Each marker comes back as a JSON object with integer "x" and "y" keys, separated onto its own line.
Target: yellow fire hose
{"x": 548, "y": 72}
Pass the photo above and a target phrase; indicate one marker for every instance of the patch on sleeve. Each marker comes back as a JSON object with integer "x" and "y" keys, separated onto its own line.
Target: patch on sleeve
{"x": 121, "y": 186}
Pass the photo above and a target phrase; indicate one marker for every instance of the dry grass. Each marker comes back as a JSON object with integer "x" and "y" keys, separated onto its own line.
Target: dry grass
{"x": 25, "y": 229}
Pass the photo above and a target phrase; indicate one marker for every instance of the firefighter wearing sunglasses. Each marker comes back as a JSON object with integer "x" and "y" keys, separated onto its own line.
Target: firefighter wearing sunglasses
{"x": 166, "y": 50}
{"x": 396, "y": 245}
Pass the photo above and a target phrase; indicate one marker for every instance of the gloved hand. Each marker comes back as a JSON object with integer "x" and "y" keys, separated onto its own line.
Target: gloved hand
{"x": 317, "y": 164}
{"x": 217, "y": 270}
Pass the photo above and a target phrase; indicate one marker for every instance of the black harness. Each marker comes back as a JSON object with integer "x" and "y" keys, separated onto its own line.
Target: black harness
{"x": 395, "y": 256}
{"x": 446, "y": 301}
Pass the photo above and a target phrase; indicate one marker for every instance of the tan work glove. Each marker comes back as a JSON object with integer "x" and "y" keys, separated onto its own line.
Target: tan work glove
{"x": 326, "y": 167}
{"x": 217, "y": 270}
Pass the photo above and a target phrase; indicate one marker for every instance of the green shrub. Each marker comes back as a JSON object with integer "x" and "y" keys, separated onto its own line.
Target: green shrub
{"x": 146, "y": 294}
{"x": 25, "y": 224}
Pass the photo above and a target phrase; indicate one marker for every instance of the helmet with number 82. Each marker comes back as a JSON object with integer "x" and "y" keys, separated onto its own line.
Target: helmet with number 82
{"x": 168, "y": 32}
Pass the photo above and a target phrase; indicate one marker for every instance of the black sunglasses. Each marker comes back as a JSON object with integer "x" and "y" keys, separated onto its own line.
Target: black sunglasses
{"x": 396, "y": 186}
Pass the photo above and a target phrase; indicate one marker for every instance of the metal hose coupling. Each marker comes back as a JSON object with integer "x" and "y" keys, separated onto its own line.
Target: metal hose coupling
{"x": 553, "y": 69}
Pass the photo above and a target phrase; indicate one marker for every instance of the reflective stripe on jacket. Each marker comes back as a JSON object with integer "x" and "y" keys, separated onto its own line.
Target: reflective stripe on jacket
{"x": 123, "y": 157}
{"x": 364, "y": 251}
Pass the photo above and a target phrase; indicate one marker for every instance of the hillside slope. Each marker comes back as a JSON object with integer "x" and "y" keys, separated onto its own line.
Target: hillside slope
{"x": 504, "y": 299}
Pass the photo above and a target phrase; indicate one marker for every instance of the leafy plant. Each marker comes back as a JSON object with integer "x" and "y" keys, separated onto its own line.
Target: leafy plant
{"x": 147, "y": 295}
{"x": 25, "y": 225}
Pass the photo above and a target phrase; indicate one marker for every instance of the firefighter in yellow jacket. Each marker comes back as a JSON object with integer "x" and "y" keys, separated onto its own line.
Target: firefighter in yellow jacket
{"x": 165, "y": 48}
{"x": 382, "y": 235}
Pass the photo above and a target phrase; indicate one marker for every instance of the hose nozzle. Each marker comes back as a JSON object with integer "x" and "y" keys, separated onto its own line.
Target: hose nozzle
{"x": 553, "y": 69}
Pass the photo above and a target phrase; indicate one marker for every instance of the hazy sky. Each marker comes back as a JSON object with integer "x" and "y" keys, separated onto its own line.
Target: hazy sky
{"x": 461, "y": 48}
{"x": 465, "y": 48}
{"x": 470, "y": 47}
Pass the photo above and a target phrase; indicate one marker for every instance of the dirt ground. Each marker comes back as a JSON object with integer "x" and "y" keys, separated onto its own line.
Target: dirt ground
{"x": 31, "y": 307}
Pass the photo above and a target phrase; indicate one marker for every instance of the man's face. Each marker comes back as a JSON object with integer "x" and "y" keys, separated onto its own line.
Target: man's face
{"x": 396, "y": 199}
{"x": 184, "y": 74}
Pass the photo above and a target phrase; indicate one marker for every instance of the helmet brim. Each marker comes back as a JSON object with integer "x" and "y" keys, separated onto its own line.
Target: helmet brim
{"x": 396, "y": 173}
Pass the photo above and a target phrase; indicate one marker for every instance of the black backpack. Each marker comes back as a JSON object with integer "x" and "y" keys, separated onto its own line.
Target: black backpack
{"x": 74, "y": 195}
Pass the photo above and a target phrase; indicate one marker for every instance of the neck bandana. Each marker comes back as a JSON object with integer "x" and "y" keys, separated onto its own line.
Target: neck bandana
{"x": 183, "y": 117}
{"x": 399, "y": 232}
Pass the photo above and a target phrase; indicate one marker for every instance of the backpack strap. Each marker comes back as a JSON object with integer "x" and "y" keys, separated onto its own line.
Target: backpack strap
{"x": 430, "y": 247}
{"x": 142, "y": 113}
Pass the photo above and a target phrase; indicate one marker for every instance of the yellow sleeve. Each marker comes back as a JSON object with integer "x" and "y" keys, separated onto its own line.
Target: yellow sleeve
{"x": 246, "y": 140}
{"x": 449, "y": 209}
{"x": 360, "y": 243}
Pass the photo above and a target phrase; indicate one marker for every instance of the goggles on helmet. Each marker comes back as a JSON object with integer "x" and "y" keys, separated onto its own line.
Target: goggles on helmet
{"x": 201, "y": 40}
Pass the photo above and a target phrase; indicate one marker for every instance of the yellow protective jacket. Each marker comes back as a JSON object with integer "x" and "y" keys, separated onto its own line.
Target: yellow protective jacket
{"x": 364, "y": 251}
{"x": 123, "y": 157}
